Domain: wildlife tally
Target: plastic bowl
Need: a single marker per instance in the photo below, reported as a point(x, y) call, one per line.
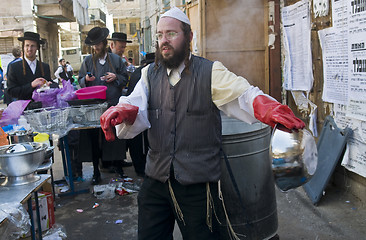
point(92, 92)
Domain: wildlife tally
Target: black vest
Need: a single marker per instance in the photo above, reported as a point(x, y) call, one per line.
point(185, 125)
point(66, 75)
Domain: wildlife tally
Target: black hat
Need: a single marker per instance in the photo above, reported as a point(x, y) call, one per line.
point(150, 57)
point(96, 35)
point(31, 36)
point(119, 36)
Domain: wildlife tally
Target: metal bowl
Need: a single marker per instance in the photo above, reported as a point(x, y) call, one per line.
point(21, 136)
point(22, 158)
point(294, 157)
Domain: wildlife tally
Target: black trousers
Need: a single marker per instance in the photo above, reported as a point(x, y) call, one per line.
point(138, 147)
point(157, 215)
point(76, 164)
point(94, 138)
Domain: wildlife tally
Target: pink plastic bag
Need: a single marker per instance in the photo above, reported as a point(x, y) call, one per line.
point(55, 97)
point(66, 93)
point(48, 97)
point(12, 113)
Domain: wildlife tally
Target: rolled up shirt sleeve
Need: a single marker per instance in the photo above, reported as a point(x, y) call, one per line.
point(58, 71)
point(138, 97)
point(233, 94)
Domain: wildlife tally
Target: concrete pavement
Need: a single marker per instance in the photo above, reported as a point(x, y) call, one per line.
point(338, 215)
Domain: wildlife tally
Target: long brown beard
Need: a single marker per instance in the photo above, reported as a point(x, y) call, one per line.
point(99, 55)
point(179, 55)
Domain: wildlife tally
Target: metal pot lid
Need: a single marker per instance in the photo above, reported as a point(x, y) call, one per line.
point(21, 133)
point(20, 148)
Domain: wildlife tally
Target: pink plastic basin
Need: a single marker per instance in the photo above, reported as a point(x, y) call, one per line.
point(92, 92)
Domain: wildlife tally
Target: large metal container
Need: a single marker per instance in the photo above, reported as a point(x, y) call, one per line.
point(19, 166)
point(15, 164)
point(247, 150)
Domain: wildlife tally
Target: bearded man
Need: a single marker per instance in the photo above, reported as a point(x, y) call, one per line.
point(108, 69)
point(180, 97)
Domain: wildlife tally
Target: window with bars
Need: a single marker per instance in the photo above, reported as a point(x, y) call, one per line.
point(132, 28)
point(122, 27)
point(6, 45)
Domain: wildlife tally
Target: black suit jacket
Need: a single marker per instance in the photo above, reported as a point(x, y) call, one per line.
point(19, 85)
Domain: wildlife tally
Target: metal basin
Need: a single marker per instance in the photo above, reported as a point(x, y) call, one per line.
point(22, 158)
point(294, 157)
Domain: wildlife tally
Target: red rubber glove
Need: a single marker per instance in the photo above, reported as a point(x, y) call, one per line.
point(116, 115)
point(272, 112)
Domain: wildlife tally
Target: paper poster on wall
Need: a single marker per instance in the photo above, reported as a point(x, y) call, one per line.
point(298, 73)
point(304, 105)
point(339, 13)
point(320, 8)
point(334, 46)
point(355, 157)
point(356, 107)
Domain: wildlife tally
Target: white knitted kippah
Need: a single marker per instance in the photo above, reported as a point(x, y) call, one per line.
point(178, 14)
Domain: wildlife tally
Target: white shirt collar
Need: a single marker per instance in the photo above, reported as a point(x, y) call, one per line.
point(102, 60)
point(32, 64)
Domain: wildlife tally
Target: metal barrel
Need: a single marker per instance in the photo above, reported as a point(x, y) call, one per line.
point(247, 149)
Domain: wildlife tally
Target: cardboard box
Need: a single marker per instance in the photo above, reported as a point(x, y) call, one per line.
point(46, 210)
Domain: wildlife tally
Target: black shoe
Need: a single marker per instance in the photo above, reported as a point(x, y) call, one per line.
point(120, 172)
point(126, 164)
point(140, 174)
point(96, 179)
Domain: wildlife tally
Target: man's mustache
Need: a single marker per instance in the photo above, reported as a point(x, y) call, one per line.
point(166, 45)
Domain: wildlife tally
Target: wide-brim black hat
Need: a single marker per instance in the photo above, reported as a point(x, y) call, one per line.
point(31, 36)
point(119, 36)
point(96, 35)
point(150, 57)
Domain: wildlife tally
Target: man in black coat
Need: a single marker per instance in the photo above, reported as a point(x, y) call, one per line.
point(27, 75)
point(102, 68)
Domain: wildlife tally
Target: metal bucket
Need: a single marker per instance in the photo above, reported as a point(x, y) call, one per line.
point(247, 149)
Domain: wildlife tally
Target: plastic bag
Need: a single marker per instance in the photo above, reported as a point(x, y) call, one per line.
point(18, 223)
point(104, 191)
point(57, 232)
point(48, 97)
point(66, 93)
point(12, 113)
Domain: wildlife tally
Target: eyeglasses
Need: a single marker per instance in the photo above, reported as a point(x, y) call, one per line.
point(169, 35)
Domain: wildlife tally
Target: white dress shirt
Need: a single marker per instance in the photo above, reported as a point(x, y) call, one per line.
point(232, 94)
point(32, 64)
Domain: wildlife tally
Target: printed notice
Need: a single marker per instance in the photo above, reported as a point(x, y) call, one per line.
point(339, 13)
point(335, 65)
point(298, 73)
point(356, 107)
point(355, 157)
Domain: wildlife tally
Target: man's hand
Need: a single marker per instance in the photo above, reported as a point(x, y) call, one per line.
point(116, 115)
point(110, 77)
point(89, 79)
point(272, 112)
point(38, 82)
